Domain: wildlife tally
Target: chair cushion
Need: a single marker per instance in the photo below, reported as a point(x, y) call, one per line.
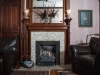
point(86, 60)
point(92, 44)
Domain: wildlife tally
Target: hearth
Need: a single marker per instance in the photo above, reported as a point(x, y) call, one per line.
point(47, 53)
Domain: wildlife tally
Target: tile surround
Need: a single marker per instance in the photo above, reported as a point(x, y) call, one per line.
point(47, 36)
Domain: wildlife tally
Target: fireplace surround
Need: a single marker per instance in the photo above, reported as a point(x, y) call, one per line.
point(47, 36)
point(47, 53)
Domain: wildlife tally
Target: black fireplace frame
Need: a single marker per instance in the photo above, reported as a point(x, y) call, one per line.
point(43, 43)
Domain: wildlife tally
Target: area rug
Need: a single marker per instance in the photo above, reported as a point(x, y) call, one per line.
point(28, 72)
point(68, 73)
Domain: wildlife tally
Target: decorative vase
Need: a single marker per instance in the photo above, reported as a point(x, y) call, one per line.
point(45, 20)
point(50, 20)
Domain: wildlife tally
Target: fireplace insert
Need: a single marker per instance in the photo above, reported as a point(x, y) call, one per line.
point(47, 53)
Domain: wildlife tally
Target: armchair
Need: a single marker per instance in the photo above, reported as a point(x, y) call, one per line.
point(85, 60)
point(8, 55)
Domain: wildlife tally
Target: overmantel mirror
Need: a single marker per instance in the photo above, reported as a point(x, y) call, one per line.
point(48, 11)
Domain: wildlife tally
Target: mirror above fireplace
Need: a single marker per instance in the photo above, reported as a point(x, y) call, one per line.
point(47, 11)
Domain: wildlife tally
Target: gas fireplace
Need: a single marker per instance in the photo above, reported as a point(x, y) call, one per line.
point(47, 53)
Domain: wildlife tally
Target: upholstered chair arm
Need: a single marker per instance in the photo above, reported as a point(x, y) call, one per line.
point(79, 50)
point(9, 59)
point(10, 50)
point(97, 63)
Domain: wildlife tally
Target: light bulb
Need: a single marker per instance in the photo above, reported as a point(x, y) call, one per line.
point(68, 11)
point(26, 12)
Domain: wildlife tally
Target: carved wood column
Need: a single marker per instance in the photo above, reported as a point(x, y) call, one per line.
point(99, 16)
point(67, 21)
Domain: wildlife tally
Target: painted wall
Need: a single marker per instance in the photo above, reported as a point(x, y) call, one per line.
point(78, 34)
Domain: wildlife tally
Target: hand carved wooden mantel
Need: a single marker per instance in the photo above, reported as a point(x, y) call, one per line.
point(49, 28)
point(53, 27)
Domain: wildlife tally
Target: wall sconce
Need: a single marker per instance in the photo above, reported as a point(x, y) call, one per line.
point(91, 35)
point(67, 15)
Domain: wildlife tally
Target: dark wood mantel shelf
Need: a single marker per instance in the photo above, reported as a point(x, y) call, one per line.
point(47, 27)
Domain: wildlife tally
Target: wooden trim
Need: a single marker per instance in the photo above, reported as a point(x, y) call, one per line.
point(99, 16)
point(53, 27)
point(50, 28)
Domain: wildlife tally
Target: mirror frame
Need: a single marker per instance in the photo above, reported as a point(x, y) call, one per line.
point(39, 12)
point(66, 6)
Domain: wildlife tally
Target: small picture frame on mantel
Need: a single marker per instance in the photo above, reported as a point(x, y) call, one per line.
point(85, 18)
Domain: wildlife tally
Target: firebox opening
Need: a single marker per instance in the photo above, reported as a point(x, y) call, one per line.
point(47, 53)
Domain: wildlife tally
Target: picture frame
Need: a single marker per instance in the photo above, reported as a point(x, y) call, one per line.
point(85, 18)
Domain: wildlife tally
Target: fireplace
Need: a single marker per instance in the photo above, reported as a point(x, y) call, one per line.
point(47, 36)
point(47, 53)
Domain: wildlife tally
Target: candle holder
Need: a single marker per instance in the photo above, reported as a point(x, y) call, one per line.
point(68, 18)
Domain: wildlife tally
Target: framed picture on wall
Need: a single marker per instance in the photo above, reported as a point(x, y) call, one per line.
point(85, 18)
